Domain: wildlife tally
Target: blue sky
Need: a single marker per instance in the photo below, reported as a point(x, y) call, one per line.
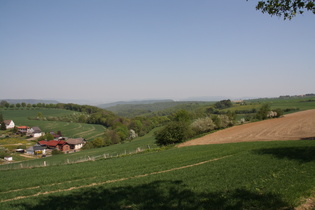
point(109, 50)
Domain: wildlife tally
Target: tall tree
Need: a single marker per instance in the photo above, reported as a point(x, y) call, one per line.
point(286, 8)
point(1, 117)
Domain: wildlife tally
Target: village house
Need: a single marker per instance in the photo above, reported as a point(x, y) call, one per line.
point(56, 136)
point(34, 132)
point(55, 144)
point(36, 149)
point(9, 124)
point(23, 129)
point(76, 144)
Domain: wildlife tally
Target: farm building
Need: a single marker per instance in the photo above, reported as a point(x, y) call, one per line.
point(34, 132)
point(76, 144)
point(9, 124)
point(23, 129)
point(36, 149)
point(55, 144)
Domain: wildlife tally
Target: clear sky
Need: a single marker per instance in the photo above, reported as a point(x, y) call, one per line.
point(109, 50)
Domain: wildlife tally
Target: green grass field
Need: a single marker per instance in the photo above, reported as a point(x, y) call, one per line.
point(69, 129)
point(302, 103)
point(253, 175)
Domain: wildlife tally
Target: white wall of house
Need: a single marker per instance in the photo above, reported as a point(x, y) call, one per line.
point(37, 134)
point(11, 125)
point(78, 146)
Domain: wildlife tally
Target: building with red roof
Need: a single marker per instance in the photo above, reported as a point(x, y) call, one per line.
point(55, 144)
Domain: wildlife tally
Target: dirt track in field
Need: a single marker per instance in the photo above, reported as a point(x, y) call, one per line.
point(296, 126)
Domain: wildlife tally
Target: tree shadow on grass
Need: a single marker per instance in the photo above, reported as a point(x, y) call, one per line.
point(301, 154)
point(157, 195)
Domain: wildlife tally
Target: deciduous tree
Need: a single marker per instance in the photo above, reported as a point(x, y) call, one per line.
point(286, 8)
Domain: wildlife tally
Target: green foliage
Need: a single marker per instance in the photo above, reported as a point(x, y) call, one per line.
point(123, 132)
point(174, 132)
point(222, 121)
point(203, 125)
point(88, 145)
point(223, 104)
point(47, 136)
point(4, 152)
point(286, 8)
point(181, 116)
point(15, 129)
point(1, 117)
point(112, 136)
point(56, 152)
point(262, 112)
point(2, 126)
point(98, 142)
point(279, 112)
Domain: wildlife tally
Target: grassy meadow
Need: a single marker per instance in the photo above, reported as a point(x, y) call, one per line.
point(69, 129)
point(252, 175)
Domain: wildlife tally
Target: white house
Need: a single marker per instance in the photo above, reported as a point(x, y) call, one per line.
point(34, 132)
point(76, 144)
point(9, 124)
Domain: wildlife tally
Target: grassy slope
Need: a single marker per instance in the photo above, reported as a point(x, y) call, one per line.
point(20, 117)
point(294, 102)
point(253, 175)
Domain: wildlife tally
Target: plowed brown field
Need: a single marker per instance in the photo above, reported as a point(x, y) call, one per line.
point(296, 126)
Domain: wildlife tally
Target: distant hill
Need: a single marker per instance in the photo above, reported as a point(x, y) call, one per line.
point(133, 103)
point(29, 101)
point(157, 108)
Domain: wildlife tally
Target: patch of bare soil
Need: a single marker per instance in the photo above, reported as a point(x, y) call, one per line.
point(28, 156)
point(309, 204)
point(295, 126)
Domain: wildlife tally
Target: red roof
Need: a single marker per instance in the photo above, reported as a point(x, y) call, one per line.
point(23, 127)
point(42, 142)
point(61, 142)
point(52, 143)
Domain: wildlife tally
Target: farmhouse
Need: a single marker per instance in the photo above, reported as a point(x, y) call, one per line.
point(76, 144)
point(9, 124)
point(55, 144)
point(34, 132)
point(23, 129)
point(36, 149)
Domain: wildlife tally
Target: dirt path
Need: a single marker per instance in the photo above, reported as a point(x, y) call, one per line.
point(299, 125)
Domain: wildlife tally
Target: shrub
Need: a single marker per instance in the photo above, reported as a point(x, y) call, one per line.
point(203, 125)
point(263, 112)
point(174, 132)
point(222, 121)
